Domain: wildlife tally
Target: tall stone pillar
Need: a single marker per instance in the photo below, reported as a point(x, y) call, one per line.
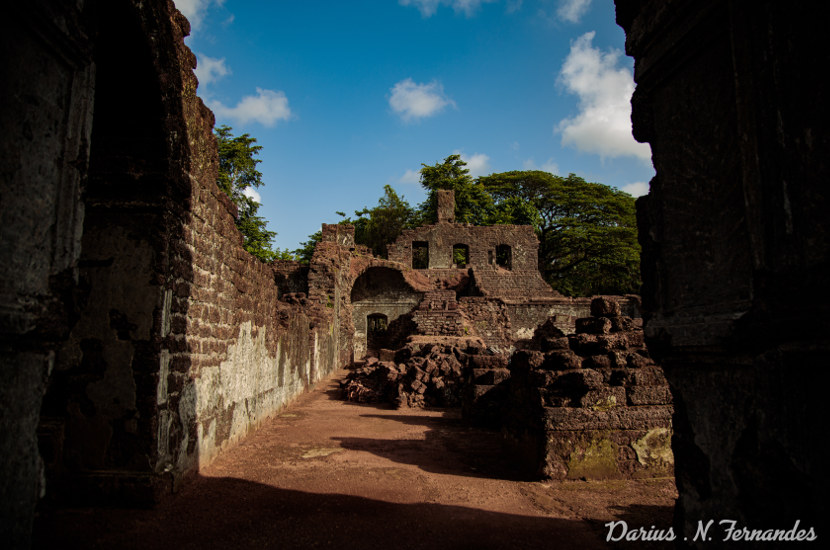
point(735, 237)
point(446, 206)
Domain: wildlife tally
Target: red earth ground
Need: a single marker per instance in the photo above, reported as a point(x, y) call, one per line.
point(325, 473)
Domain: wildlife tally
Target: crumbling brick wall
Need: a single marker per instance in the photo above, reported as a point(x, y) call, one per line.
point(166, 340)
point(438, 315)
point(588, 405)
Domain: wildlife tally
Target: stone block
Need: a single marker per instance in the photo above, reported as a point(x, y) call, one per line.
point(624, 324)
point(554, 343)
point(648, 395)
point(488, 361)
point(490, 376)
point(597, 362)
point(561, 360)
point(576, 382)
point(603, 398)
point(593, 325)
point(620, 418)
point(605, 307)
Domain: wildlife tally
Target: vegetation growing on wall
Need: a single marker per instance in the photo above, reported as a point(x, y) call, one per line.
point(237, 175)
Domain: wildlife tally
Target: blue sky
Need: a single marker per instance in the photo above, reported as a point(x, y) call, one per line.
point(348, 96)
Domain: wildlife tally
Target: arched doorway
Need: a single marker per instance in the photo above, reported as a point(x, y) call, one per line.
point(381, 301)
point(377, 325)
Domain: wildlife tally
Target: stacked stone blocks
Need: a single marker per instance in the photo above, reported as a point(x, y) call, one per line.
point(591, 404)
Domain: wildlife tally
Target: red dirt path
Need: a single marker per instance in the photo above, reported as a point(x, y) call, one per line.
point(330, 474)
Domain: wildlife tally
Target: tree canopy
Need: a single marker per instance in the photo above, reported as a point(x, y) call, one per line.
point(237, 173)
point(587, 231)
point(472, 203)
point(377, 227)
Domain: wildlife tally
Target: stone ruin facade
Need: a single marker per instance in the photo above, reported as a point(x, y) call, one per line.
point(457, 308)
point(138, 339)
point(587, 405)
point(458, 280)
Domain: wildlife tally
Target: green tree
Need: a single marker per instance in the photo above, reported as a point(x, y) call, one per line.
point(379, 226)
point(237, 172)
point(306, 250)
point(472, 202)
point(374, 227)
point(587, 231)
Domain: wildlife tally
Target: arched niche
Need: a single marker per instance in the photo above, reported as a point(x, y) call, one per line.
point(381, 291)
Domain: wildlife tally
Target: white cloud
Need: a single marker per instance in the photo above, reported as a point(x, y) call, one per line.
point(636, 189)
point(195, 10)
point(547, 166)
point(267, 107)
point(513, 6)
point(252, 193)
point(603, 125)
point(478, 164)
point(210, 69)
point(411, 176)
point(412, 101)
point(572, 10)
point(429, 7)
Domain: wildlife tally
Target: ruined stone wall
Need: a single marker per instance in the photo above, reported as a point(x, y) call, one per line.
point(237, 353)
point(290, 277)
point(735, 246)
point(45, 153)
point(490, 320)
point(379, 290)
point(505, 323)
point(438, 315)
point(527, 315)
point(588, 405)
point(481, 240)
point(127, 298)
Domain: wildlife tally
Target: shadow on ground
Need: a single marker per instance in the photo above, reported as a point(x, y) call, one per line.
point(448, 447)
point(226, 513)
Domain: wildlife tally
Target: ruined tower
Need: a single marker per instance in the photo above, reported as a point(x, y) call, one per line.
point(446, 206)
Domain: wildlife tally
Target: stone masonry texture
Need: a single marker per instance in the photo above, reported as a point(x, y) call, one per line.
point(138, 339)
point(735, 249)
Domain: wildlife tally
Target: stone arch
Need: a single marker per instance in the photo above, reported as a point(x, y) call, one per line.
point(380, 291)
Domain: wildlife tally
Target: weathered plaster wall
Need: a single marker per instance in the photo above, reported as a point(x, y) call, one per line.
point(46, 81)
point(237, 353)
point(156, 338)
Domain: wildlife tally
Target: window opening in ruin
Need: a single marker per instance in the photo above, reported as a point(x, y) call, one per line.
point(376, 325)
point(420, 255)
point(504, 256)
point(460, 255)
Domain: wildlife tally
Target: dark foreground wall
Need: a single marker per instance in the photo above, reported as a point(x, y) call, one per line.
point(138, 338)
point(735, 249)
